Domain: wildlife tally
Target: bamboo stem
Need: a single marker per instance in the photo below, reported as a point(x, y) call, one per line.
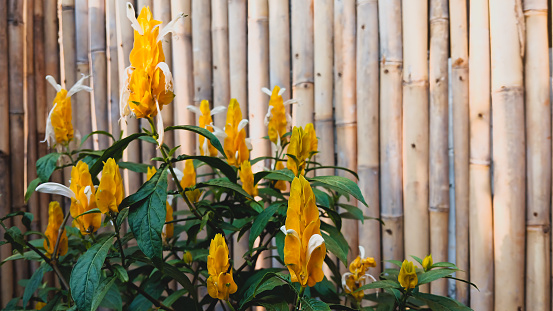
point(438, 154)
point(182, 76)
point(98, 60)
point(302, 61)
point(201, 44)
point(368, 164)
point(415, 128)
point(6, 271)
point(507, 39)
point(279, 42)
point(238, 52)
point(258, 77)
point(391, 194)
point(460, 103)
point(81, 103)
point(112, 69)
point(480, 192)
point(16, 82)
point(220, 45)
point(538, 161)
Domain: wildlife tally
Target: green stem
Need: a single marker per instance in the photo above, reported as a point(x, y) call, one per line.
point(298, 300)
point(114, 219)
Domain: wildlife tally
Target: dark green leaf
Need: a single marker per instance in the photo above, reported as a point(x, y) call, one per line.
point(92, 211)
point(94, 133)
point(124, 213)
point(135, 167)
point(27, 219)
point(395, 262)
point(429, 276)
point(46, 165)
point(207, 134)
point(34, 282)
point(333, 167)
point(217, 163)
point(101, 292)
point(333, 246)
point(440, 303)
point(145, 190)
point(342, 184)
point(147, 217)
point(85, 276)
point(121, 273)
point(386, 284)
point(310, 304)
point(115, 151)
point(461, 280)
point(284, 174)
point(15, 238)
point(112, 300)
point(224, 184)
point(444, 265)
point(269, 281)
point(261, 221)
point(178, 275)
point(355, 211)
point(170, 300)
point(31, 188)
point(417, 259)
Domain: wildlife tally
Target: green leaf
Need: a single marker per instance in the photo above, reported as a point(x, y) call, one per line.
point(333, 246)
point(31, 188)
point(112, 300)
point(124, 213)
point(46, 165)
point(217, 163)
point(170, 300)
point(461, 280)
point(178, 275)
point(342, 184)
point(355, 211)
point(15, 238)
point(395, 262)
point(310, 304)
point(207, 134)
point(147, 217)
point(121, 273)
point(135, 167)
point(333, 167)
point(34, 282)
point(429, 276)
point(261, 222)
point(269, 281)
point(385, 284)
point(224, 184)
point(284, 174)
point(417, 259)
point(92, 211)
point(101, 291)
point(444, 265)
point(94, 133)
point(440, 303)
point(145, 190)
point(85, 276)
point(115, 152)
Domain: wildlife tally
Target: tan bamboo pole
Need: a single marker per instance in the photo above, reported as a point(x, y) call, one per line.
point(538, 159)
point(220, 45)
point(345, 105)
point(98, 67)
point(125, 43)
point(182, 75)
point(16, 35)
point(279, 42)
point(323, 60)
point(480, 192)
point(238, 52)
point(162, 12)
point(438, 154)
point(82, 107)
point(368, 163)
point(459, 85)
point(258, 77)
point(391, 194)
point(143, 3)
point(507, 48)
point(201, 45)
point(148, 149)
point(112, 69)
point(415, 127)
point(6, 271)
point(302, 61)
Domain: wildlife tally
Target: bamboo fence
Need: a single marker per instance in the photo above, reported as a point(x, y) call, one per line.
point(371, 75)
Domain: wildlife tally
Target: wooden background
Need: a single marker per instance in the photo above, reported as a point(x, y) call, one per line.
point(388, 84)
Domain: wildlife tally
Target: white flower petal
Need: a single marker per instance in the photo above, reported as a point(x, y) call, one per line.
point(55, 188)
point(194, 109)
point(169, 27)
point(248, 143)
point(288, 118)
point(266, 91)
point(168, 76)
point(242, 124)
point(289, 231)
point(79, 86)
point(131, 15)
point(315, 241)
point(291, 101)
point(53, 82)
point(268, 116)
point(88, 193)
point(50, 136)
point(124, 109)
point(219, 133)
point(361, 252)
point(205, 147)
point(179, 174)
point(344, 284)
point(170, 199)
point(218, 109)
point(160, 127)
point(282, 90)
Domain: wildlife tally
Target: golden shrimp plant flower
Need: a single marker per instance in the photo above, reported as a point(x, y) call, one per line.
point(246, 176)
point(110, 193)
point(357, 275)
point(167, 231)
point(277, 119)
point(280, 184)
point(55, 220)
point(407, 275)
point(304, 247)
point(206, 121)
point(303, 145)
point(220, 283)
point(149, 84)
point(83, 198)
point(59, 127)
point(427, 263)
point(236, 145)
point(188, 180)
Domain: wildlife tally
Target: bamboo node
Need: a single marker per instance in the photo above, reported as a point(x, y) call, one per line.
point(439, 209)
point(480, 162)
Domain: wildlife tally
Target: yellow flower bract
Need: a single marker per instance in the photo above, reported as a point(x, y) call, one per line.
point(220, 283)
point(235, 148)
point(205, 121)
point(61, 118)
point(303, 145)
point(110, 193)
point(82, 186)
point(407, 275)
point(357, 276)
point(55, 220)
point(246, 176)
point(277, 120)
point(189, 180)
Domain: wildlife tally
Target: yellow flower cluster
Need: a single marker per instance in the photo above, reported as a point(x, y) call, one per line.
point(55, 220)
point(110, 193)
point(408, 275)
point(220, 283)
point(276, 119)
point(357, 275)
point(84, 200)
point(236, 148)
point(189, 180)
point(304, 247)
point(246, 176)
point(303, 145)
point(427, 263)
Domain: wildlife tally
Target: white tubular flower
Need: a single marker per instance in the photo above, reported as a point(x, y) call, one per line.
point(170, 27)
point(131, 15)
point(55, 188)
